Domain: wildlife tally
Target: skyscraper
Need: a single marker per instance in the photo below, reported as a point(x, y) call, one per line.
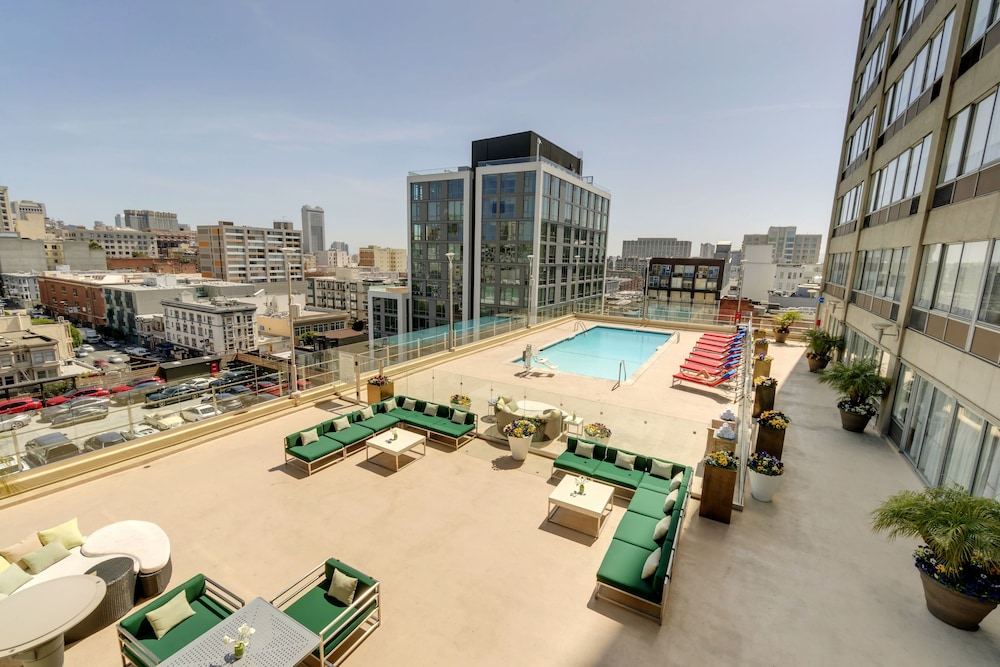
point(6, 218)
point(913, 259)
point(313, 229)
point(145, 220)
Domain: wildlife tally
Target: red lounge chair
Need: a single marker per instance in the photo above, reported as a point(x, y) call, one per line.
point(725, 351)
point(712, 382)
point(723, 337)
point(713, 360)
point(695, 366)
point(713, 343)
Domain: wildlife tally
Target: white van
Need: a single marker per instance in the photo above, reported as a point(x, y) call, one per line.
point(90, 336)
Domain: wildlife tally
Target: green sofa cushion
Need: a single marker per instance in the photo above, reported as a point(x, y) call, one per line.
point(609, 472)
point(622, 568)
point(648, 502)
point(654, 483)
point(637, 529)
point(352, 434)
point(317, 450)
point(578, 464)
point(380, 422)
point(448, 427)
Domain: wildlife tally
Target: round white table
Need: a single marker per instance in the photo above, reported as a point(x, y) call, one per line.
point(33, 621)
point(527, 408)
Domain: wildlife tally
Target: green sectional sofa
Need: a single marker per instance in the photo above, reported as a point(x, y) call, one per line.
point(211, 604)
point(341, 626)
point(651, 482)
point(333, 445)
point(447, 424)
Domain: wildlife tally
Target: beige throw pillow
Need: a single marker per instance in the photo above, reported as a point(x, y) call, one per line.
point(409, 404)
point(16, 551)
point(669, 502)
point(459, 417)
point(390, 405)
point(68, 533)
point(626, 461)
point(341, 423)
point(649, 567)
point(49, 555)
point(585, 449)
point(309, 437)
point(343, 587)
point(170, 615)
point(662, 527)
point(367, 413)
point(661, 469)
point(431, 410)
point(3, 564)
point(676, 480)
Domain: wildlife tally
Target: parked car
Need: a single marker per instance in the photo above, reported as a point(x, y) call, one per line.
point(49, 448)
point(101, 363)
point(17, 405)
point(198, 412)
point(117, 359)
point(80, 354)
point(225, 402)
point(77, 393)
point(138, 431)
point(173, 394)
point(50, 413)
point(200, 383)
point(259, 398)
point(102, 440)
point(80, 414)
point(87, 347)
point(164, 420)
point(239, 389)
point(266, 387)
point(11, 422)
point(136, 393)
point(9, 465)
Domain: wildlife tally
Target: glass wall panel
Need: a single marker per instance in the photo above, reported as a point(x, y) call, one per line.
point(970, 273)
point(989, 312)
point(988, 475)
point(964, 450)
point(935, 439)
point(949, 274)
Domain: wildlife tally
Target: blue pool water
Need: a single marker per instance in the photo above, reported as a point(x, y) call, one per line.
point(600, 350)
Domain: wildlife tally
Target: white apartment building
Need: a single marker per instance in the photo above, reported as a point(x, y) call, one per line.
point(249, 254)
point(335, 259)
point(116, 242)
point(209, 327)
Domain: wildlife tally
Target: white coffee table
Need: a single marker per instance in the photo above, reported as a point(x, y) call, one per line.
point(384, 443)
point(595, 503)
point(32, 622)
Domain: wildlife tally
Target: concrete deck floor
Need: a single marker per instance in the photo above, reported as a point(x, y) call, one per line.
point(473, 574)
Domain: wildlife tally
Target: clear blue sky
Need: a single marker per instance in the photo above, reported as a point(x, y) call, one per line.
point(705, 120)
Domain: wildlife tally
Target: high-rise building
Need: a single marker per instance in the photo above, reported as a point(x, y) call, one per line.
point(115, 242)
point(787, 246)
point(313, 229)
point(707, 250)
point(6, 217)
point(23, 208)
point(527, 231)
point(340, 245)
point(385, 259)
point(147, 220)
point(642, 248)
point(249, 254)
point(912, 271)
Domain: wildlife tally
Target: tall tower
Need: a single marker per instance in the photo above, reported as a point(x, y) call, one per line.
point(6, 219)
point(313, 229)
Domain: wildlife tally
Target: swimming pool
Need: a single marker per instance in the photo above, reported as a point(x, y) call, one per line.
point(599, 351)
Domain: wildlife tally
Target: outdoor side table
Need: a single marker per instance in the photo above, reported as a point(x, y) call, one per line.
point(119, 575)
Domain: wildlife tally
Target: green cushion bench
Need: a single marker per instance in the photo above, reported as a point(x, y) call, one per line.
point(601, 466)
point(333, 445)
point(342, 627)
point(211, 604)
point(438, 427)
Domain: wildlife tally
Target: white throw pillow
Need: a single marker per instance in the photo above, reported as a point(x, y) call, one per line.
point(459, 417)
point(409, 404)
point(367, 413)
point(309, 437)
point(675, 482)
point(341, 423)
point(671, 500)
point(431, 410)
point(390, 405)
point(626, 461)
point(585, 449)
point(649, 567)
point(661, 469)
point(662, 527)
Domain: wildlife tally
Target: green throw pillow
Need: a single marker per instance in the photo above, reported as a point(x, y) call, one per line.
point(13, 578)
point(68, 533)
point(341, 423)
point(626, 461)
point(649, 567)
point(459, 417)
point(49, 555)
point(343, 587)
point(585, 449)
point(309, 437)
point(170, 615)
point(431, 410)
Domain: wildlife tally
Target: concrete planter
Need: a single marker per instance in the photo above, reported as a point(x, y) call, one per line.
point(956, 609)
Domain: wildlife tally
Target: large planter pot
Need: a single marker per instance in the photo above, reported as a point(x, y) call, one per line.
point(780, 337)
point(816, 365)
point(464, 407)
point(717, 491)
point(853, 422)
point(956, 609)
point(599, 439)
point(761, 368)
point(771, 440)
point(763, 487)
point(760, 346)
point(519, 447)
point(763, 399)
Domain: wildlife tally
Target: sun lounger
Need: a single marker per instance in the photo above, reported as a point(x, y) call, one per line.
point(694, 367)
point(708, 382)
point(715, 357)
point(717, 344)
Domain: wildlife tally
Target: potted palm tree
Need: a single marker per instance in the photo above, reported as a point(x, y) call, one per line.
point(784, 323)
point(960, 561)
point(861, 387)
point(822, 345)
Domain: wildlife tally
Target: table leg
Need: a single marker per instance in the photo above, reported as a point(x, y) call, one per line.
point(47, 654)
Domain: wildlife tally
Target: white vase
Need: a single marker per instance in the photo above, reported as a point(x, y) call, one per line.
point(763, 487)
point(599, 439)
point(519, 447)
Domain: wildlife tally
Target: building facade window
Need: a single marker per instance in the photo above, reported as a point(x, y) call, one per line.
point(973, 139)
point(902, 178)
point(871, 72)
point(921, 73)
point(983, 15)
point(849, 206)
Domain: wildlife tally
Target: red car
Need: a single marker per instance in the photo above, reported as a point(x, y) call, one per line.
point(142, 381)
point(266, 387)
point(16, 405)
point(77, 393)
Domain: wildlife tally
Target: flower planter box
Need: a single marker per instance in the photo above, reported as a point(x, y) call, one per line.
point(956, 609)
point(770, 440)
point(780, 337)
point(717, 489)
point(761, 368)
point(763, 487)
point(816, 365)
point(760, 346)
point(376, 394)
point(763, 399)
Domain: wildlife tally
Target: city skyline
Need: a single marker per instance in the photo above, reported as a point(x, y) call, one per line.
point(246, 112)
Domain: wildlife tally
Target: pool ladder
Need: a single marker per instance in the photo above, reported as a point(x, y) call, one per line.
point(580, 326)
point(621, 372)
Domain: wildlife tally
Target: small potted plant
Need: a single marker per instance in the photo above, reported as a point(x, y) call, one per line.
point(597, 432)
point(861, 387)
point(519, 434)
point(822, 346)
point(764, 389)
point(240, 641)
point(765, 471)
point(379, 388)
point(771, 427)
point(960, 562)
point(762, 364)
point(460, 400)
point(760, 346)
point(718, 486)
point(784, 323)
